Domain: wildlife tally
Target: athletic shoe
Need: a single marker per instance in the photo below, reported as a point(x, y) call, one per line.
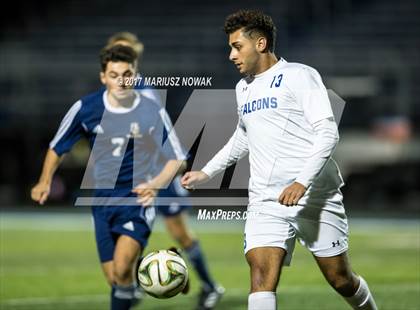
point(208, 299)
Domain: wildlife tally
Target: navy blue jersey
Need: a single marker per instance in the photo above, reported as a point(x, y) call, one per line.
point(125, 142)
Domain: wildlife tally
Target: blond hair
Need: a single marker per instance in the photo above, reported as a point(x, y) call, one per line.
point(126, 38)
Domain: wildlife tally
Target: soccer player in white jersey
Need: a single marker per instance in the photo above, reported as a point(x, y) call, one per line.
point(287, 126)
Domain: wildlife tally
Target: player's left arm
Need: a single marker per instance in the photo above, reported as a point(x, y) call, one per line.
point(324, 144)
point(313, 98)
point(172, 150)
point(147, 191)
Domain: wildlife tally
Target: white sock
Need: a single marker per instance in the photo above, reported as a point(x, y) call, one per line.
point(362, 299)
point(262, 301)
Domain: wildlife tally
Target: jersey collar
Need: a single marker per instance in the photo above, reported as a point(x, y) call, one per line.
point(273, 68)
point(120, 110)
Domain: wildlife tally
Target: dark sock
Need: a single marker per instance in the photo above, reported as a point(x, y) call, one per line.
point(196, 257)
point(121, 297)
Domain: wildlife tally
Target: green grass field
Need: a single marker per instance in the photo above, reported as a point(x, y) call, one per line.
point(51, 263)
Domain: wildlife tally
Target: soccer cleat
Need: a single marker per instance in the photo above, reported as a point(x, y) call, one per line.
point(209, 299)
point(187, 286)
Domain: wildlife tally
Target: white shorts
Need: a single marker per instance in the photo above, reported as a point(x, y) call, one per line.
point(321, 226)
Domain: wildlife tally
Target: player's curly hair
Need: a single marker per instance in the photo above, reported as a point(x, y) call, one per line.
point(252, 21)
point(117, 53)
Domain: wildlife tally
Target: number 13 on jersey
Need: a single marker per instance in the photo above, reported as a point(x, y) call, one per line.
point(276, 80)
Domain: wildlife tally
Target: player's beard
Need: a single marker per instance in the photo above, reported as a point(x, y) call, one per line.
point(248, 67)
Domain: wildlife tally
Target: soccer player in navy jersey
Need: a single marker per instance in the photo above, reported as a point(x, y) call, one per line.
point(125, 130)
point(175, 213)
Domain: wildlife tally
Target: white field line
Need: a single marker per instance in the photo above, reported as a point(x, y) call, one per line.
point(10, 221)
point(53, 300)
point(229, 292)
point(83, 222)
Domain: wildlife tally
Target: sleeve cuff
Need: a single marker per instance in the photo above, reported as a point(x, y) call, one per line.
point(208, 171)
point(304, 181)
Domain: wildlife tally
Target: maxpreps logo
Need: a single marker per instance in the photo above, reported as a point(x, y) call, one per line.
point(220, 214)
point(259, 104)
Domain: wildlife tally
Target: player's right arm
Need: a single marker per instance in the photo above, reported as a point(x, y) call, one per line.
point(41, 190)
point(69, 132)
point(193, 178)
point(234, 149)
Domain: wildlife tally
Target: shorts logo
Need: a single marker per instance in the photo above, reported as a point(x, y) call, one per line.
point(129, 226)
point(337, 243)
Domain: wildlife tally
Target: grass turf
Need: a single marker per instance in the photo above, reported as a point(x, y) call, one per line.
point(59, 269)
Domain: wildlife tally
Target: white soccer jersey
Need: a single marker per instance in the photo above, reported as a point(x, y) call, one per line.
point(279, 113)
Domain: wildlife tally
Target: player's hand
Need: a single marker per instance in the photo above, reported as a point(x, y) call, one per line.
point(291, 194)
point(146, 194)
point(40, 192)
point(193, 178)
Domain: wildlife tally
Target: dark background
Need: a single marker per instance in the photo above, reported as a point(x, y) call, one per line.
point(368, 52)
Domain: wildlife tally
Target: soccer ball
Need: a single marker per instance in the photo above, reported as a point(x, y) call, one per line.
point(163, 274)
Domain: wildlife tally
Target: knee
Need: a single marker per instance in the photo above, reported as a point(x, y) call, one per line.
point(258, 275)
point(185, 241)
point(261, 278)
point(265, 264)
point(122, 274)
point(183, 238)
